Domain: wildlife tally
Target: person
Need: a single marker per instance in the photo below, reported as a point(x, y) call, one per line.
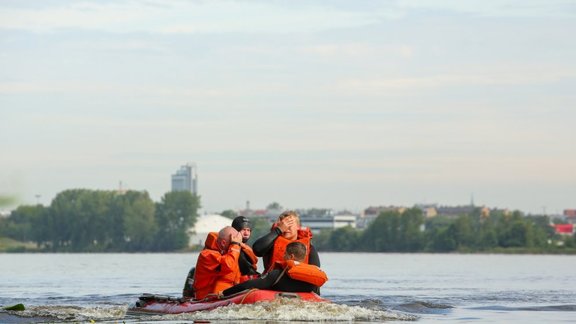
point(248, 262)
point(286, 229)
point(291, 275)
point(217, 265)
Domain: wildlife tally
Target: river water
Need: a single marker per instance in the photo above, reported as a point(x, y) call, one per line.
point(366, 288)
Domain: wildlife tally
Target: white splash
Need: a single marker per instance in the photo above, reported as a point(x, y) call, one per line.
point(293, 310)
point(74, 313)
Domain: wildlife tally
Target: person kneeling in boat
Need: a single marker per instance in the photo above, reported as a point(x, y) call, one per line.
point(217, 266)
point(290, 275)
point(248, 262)
point(287, 229)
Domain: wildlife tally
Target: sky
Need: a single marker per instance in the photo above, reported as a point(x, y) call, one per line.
point(311, 104)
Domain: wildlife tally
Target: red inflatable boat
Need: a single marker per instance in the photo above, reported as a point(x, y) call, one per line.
point(148, 303)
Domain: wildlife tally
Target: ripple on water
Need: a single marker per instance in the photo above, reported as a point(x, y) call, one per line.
point(69, 313)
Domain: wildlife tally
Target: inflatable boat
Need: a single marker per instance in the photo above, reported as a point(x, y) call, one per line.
point(149, 303)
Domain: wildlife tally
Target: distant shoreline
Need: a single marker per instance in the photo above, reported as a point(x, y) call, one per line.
point(516, 251)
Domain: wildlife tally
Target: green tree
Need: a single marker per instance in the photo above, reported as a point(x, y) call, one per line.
point(322, 240)
point(440, 240)
point(175, 214)
point(7, 200)
point(344, 239)
point(139, 226)
point(21, 225)
point(229, 213)
point(411, 230)
point(437, 236)
point(64, 212)
point(393, 231)
point(81, 220)
point(462, 231)
point(487, 236)
point(260, 227)
point(274, 206)
point(382, 234)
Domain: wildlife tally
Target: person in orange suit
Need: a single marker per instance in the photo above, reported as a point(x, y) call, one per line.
point(217, 265)
point(287, 229)
point(290, 275)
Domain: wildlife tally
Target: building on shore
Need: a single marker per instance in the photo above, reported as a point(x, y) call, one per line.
point(372, 212)
point(570, 215)
point(186, 179)
point(319, 219)
point(204, 225)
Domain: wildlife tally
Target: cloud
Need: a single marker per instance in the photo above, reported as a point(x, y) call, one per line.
point(359, 50)
point(490, 76)
point(487, 75)
point(184, 17)
point(496, 8)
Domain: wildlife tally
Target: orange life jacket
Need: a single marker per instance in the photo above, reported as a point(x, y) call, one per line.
point(304, 236)
point(215, 271)
point(305, 272)
point(252, 258)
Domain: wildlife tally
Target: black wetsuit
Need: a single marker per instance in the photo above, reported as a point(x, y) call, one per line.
point(263, 247)
point(246, 265)
point(270, 281)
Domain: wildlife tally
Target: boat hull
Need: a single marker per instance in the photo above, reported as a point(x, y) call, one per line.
point(148, 303)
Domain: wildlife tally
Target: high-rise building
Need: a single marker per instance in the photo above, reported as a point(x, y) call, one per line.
point(186, 179)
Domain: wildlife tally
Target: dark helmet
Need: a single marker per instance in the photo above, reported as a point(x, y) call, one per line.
point(240, 222)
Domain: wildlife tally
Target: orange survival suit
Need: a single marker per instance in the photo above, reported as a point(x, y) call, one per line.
point(249, 261)
point(279, 249)
point(288, 276)
point(215, 271)
point(304, 272)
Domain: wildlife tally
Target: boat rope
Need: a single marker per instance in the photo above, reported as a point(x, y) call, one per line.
point(248, 293)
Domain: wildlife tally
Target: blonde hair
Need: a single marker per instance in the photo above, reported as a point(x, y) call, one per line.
point(289, 213)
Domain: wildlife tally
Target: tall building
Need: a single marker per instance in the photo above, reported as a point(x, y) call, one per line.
point(186, 179)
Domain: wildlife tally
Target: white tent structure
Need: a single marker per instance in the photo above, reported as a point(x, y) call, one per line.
point(204, 225)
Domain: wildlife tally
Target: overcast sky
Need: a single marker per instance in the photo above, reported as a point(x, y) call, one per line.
point(327, 104)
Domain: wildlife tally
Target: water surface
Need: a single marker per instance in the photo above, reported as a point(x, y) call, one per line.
point(364, 287)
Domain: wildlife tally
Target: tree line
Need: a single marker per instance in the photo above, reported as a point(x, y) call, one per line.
point(410, 231)
point(81, 220)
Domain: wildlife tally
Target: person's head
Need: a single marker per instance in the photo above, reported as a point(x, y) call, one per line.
point(242, 225)
point(225, 237)
point(295, 251)
point(291, 232)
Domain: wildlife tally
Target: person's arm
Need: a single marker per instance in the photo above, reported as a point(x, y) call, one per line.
point(246, 266)
point(265, 282)
point(229, 261)
point(313, 257)
point(263, 245)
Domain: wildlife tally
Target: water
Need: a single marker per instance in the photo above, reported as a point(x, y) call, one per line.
point(368, 288)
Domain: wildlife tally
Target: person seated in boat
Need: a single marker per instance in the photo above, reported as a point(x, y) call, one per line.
point(217, 265)
point(285, 230)
point(248, 262)
point(290, 275)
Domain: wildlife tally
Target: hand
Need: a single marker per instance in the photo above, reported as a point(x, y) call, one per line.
point(237, 237)
point(285, 223)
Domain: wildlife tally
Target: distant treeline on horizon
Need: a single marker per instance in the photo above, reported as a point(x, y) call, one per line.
point(82, 220)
